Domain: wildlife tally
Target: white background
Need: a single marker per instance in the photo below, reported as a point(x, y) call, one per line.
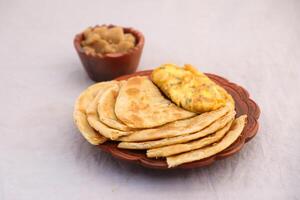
point(43, 156)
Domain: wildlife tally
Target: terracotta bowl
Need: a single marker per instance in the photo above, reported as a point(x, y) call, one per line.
point(109, 66)
point(244, 105)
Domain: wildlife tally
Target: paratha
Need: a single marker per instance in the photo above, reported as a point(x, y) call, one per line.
point(215, 126)
point(180, 148)
point(140, 104)
point(229, 138)
point(106, 109)
point(79, 114)
point(94, 121)
point(180, 127)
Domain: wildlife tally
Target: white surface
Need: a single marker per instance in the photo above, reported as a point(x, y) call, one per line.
point(42, 155)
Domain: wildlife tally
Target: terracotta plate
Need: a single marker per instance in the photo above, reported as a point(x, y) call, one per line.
point(244, 105)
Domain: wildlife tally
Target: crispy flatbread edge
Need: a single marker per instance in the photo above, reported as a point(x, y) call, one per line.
point(215, 126)
point(94, 121)
point(106, 119)
point(152, 134)
point(185, 147)
point(233, 134)
point(80, 120)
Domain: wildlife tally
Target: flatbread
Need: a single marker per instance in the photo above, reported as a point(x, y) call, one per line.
point(215, 126)
point(106, 109)
point(181, 127)
point(79, 114)
point(230, 137)
point(197, 144)
point(140, 104)
point(94, 121)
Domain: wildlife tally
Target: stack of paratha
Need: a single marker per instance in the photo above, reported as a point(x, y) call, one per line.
point(136, 113)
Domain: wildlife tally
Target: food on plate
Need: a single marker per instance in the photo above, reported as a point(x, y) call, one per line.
point(106, 109)
point(189, 88)
point(177, 128)
point(215, 126)
point(79, 115)
point(94, 121)
point(180, 148)
point(138, 116)
point(233, 134)
point(104, 40)
point(140, 104)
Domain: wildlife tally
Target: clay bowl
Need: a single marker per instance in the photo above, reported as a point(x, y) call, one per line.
point(244, 105)
point(109, 66)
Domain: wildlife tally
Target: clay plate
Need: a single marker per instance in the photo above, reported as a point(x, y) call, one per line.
point(244, 105)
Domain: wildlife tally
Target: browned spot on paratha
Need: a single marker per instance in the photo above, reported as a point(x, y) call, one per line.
point(134, 107)
point(137, 119)
point(132, 91)
point(115, 93)
point(134, 81)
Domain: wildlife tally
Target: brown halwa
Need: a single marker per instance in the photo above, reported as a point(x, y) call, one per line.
point(103, 40)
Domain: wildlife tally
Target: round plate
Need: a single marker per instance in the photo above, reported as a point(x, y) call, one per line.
point(243, 105)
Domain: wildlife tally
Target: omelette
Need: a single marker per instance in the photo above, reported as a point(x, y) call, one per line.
point(189, 88)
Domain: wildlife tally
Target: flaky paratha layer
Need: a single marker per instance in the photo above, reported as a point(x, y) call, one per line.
point(140, 104)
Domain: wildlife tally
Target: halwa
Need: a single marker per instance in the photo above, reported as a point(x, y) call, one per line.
point(104, 40)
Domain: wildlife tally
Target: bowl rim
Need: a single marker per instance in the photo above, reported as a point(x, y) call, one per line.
point(137, 34)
